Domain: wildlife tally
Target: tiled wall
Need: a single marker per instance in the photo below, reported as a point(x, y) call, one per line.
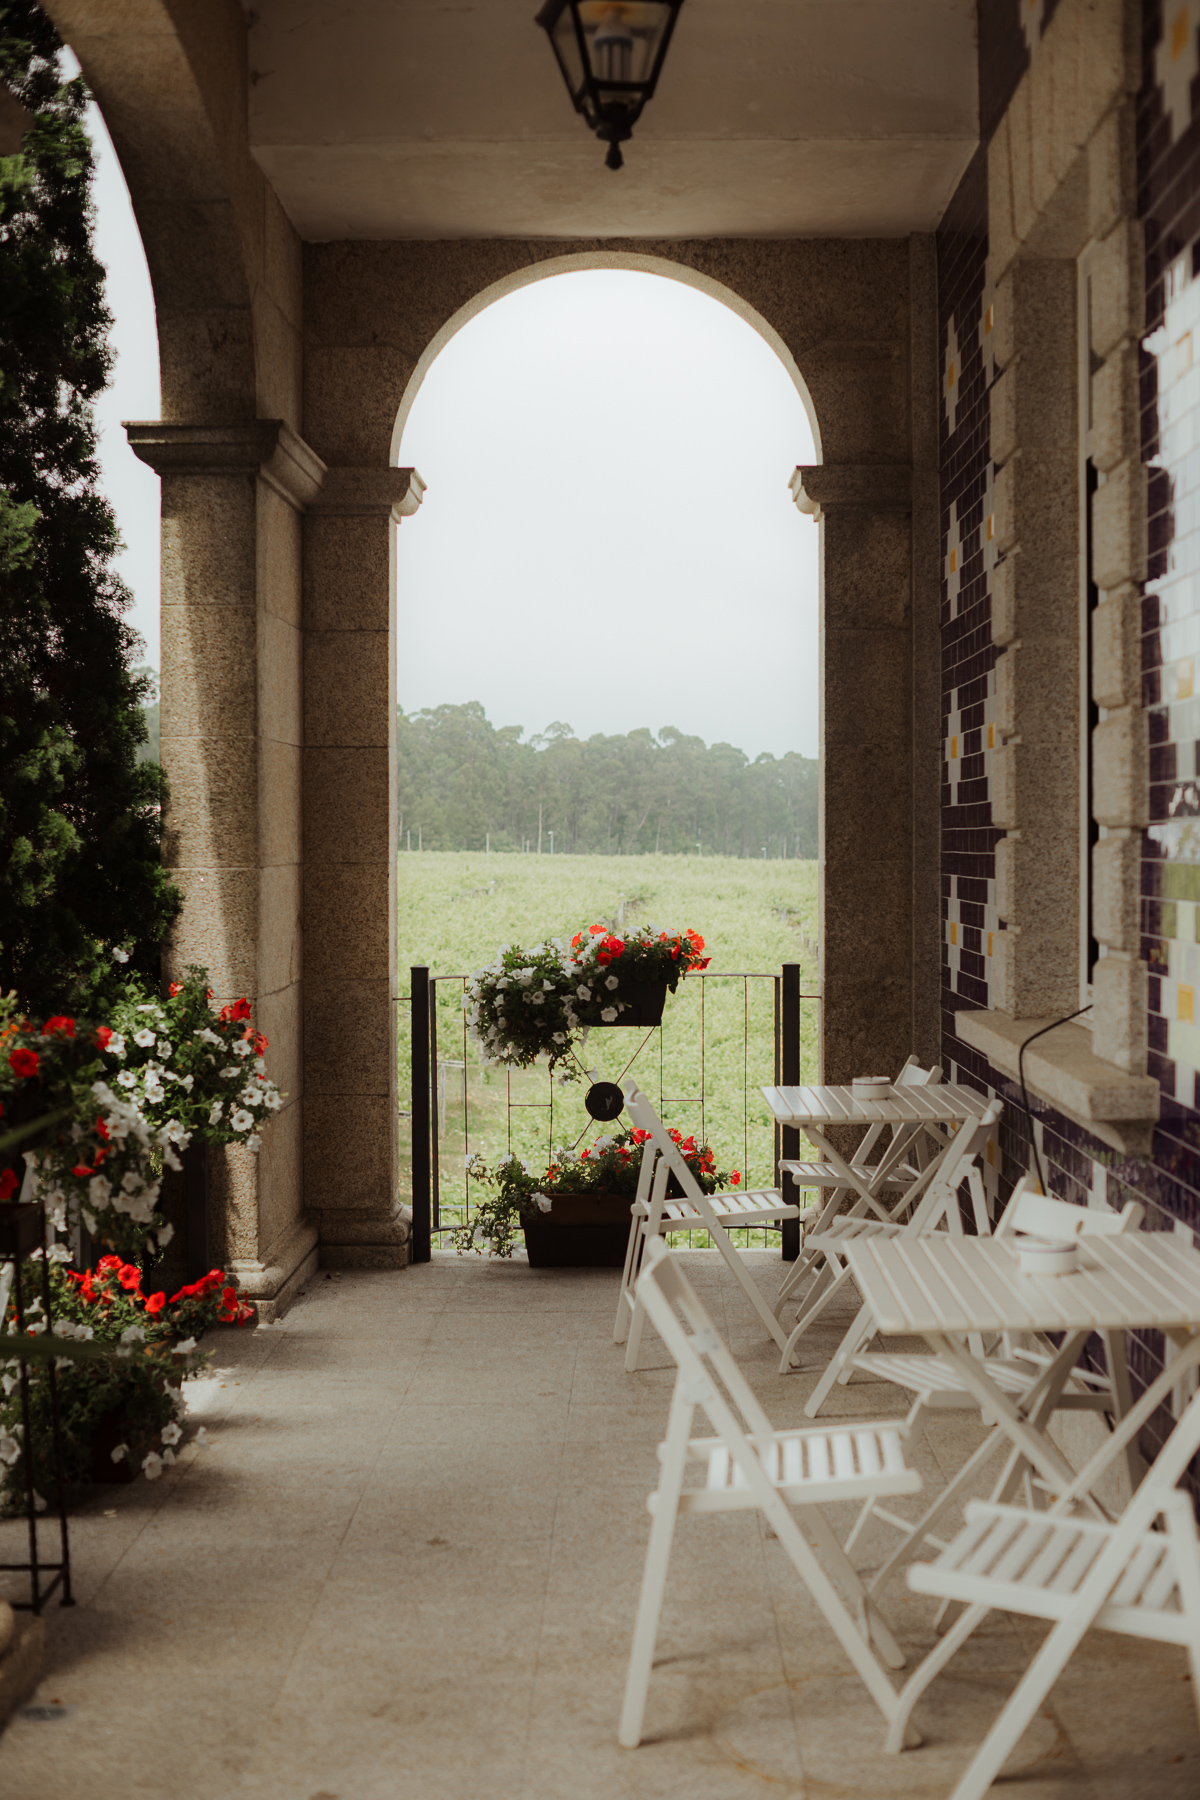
point(1079, 1167)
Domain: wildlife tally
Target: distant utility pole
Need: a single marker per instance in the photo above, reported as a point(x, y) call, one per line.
point(697, 849)
point(408, 835)
point(539, 828)
point(418, 837)
point(764, 852)
point(550, 835)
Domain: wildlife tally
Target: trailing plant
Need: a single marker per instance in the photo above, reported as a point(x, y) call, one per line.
point(103, 1108)
point(611, 1165)
point(80, 819)
point(541, 1002)
point(131, 1396)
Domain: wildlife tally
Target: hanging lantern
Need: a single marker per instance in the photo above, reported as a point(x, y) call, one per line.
point(611, 53)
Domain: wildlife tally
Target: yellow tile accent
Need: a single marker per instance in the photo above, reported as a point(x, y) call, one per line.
point(991, 1151)
point(989, 530)
point(1186, 678)
point(989, 319)
point(952, 375)
point(1179, 33)
point(954, 561)
point(953, 749)
point(989, 943)
point(991, 737)
point(1185, 1005)
point(953, 933)
point(1183, 354)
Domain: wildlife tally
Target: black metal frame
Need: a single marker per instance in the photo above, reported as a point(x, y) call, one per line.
point(612, 123)
point(422, 1001)
point(22, 1231)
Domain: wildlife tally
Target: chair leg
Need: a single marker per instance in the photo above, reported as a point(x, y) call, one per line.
point(907, 1551)
point(874, 1626)
point(806, 1319)
point(634, 1345)
point(633, 1260)
point(862, 1328)
point(1022, 1704)
point(921, 1676)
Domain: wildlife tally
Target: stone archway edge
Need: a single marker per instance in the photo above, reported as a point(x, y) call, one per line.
point(266, 447)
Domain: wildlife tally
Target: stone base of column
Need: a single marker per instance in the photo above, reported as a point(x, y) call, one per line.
point(366, 1239)
point(272, 1282)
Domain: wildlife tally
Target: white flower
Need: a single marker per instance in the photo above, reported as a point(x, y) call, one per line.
point(230, 1072)
point(547, 987)
point(251, 1095)
point(116, 1044)
point(272, 1099)
point(537, 999)
point(242, 1120)
point(184, 1346)
point(99, 1190)
point(133, 1334)
point(144, 1037)
point(610, 982)
point(242, 1048)
point(120, 1453)
point(152, 1466)
point(210, 1037)
point(215, 1113)
point(608, 1014)
point(121, 956)
point(544, 1202)
point(10, 1449)
point(583, 993)
point(254, 1142)
point(560, 1037)
point(127, 1078)
point(171, 1434)
point(202, 1437)
point(89, 1219)
point(168, 1456)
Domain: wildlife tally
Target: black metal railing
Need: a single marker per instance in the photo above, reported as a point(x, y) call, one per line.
point(715, 1049)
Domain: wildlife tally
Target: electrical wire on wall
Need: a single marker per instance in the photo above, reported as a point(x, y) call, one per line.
point(1032, 1039)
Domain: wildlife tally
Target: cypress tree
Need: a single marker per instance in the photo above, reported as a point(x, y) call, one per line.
point(80, 869)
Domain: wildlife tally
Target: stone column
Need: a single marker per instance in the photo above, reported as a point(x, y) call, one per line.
point(232, 495)
point(350, 1174)
point(866, 813)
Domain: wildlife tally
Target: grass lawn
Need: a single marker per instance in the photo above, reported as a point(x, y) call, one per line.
point(715, 1049)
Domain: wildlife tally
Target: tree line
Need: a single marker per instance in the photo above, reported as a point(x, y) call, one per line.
point(464, 784)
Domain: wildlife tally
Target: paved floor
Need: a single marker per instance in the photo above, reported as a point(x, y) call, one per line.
point(406, 1569)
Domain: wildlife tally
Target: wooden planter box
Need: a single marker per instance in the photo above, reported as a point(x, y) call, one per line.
point(644, 1005)
point(581, 1231)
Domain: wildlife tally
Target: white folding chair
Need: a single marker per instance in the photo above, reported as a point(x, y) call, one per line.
point(654, 1213)
point(750, 1466)
point(1122, 1576)
point(938, 1209)
point(901, 1162)
point(1023, 1373)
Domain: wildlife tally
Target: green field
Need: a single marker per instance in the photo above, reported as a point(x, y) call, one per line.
point(715, 1049)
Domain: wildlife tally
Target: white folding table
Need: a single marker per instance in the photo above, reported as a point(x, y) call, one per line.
point(943, 1287)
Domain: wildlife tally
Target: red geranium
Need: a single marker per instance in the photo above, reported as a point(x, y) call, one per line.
point(23, 1063)
point(59, 1026)
point(107, 1264)
point(174, 989)
point(736, 1178)
point(8, 1184)
point(128, 1277)
point(240, 1009)
point(155, 1304)
point(103, 1035)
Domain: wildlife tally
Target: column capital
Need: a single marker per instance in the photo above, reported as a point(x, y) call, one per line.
point(877, 487)
point(370, 493)
point(265, 447)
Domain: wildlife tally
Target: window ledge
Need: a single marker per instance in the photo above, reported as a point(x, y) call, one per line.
point(1061, 1068)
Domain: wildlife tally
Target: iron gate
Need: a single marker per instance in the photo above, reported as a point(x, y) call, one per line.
point(725, 1035)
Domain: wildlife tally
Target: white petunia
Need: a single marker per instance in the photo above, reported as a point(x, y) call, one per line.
point(583, 993)
point(133, 1334)
point(537, 999)
point(115, 1045)
point(202, 1437)
point(254, 1142)
point(242, 1120)
point(152, 1466)
point(610, 982)
point(171, 1433)
point(184, 1346)
point(215, 1112)
point(230, 1072)
point(608, 1014)
point(165, 1234)
point(127, 1078)
point(144, 1037)
point(99, 1190)
point(120, 1453)
point(242, 1048)
point(209, 1037)
point(121, 956)
point(544, 1202)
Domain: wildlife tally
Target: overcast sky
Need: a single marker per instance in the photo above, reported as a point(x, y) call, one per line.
point(608, 538)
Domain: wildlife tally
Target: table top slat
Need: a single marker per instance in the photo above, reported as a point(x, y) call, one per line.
point(941, 1104)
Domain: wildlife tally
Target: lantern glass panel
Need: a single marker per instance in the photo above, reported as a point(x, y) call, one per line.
point(565, 39)
point(623, 39)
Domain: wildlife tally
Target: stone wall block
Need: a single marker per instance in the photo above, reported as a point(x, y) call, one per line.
point(280, 809)
point(869, 932)
point(1121, 769)
point(867, 568)
point(1004, 327)
point(1035, 882)
point(1007, 878)
point(344, 904)
point(364, 1176)
point(209, 684)
point(1031, 979)
point(1004, 599)
point(280, 1177)
point(1113, 436)
point(1041, 697)
point(1020, 157)
point(1006, 692)
point(195, 384)
point(351, 395)
point(277, 556)
point(212, 814)
point(1006, 508)
point(278, 363)
point(217, 927)
point(348, 1043)
point(346, 687)
point(1116, 867)
point(1119, 527)
point(1044, 93)
point(871, 821)
point(1003, 403)
point(346, 573)
point(209, 525)
point(1112, 171)
point(280, 680)
point(278, 1016)
point(1110, 65)
point(283, 262)
point(346, 806)
point(867, 678)
point(1118, 309)
point(1004, 787)
point(1120, 1001)
point(279, 927)
point(1117, 649)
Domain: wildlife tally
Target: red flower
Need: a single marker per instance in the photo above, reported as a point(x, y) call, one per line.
point(155, 1304)
point(107, 1265)
point(229, 1296)
point(174, 988)
point(577, 940)
point(641, 1137)
point(8, 1184)
point(736, 1178)
point(255, 1039)
point(674, 1135)
point(23, 1063)
point(59, 1026)
point(239, 1010)
point(128, 1276)
point(596, 930)
point(694, 939)
point(103, 1034)
point(101, 1129)
point(82, 1170)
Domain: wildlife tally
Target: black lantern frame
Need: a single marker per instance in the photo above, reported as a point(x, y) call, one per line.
point(604, 88)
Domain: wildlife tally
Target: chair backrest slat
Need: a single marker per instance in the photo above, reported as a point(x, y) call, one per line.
point(1042, 1215)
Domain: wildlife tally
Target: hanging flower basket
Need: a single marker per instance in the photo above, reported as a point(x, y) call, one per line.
point(540, 1002)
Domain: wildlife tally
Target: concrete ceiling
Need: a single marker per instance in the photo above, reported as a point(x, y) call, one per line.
point(448, 119)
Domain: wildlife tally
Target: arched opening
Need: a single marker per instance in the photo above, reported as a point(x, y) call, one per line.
point(609, 564)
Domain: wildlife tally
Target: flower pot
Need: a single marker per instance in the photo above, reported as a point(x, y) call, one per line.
point(644, 1002)
point(581, 1231)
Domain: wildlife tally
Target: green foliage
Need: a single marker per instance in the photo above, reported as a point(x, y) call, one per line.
point(79, 817)
point(462, 780)
point(151, 713)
